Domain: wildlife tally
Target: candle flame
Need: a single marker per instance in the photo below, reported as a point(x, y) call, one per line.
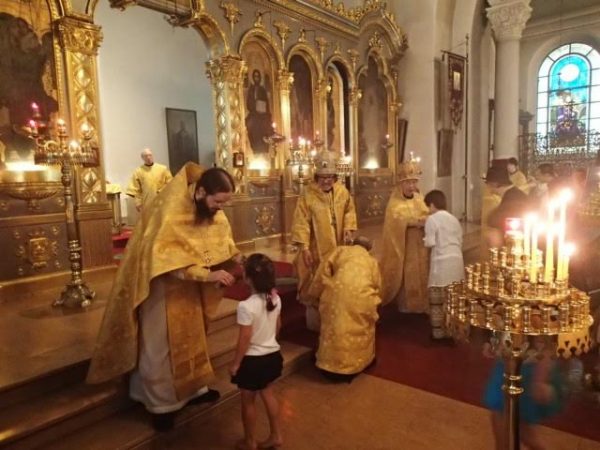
point(569, 248)
point(258, 164)
point(566, 195)
point(514, 224)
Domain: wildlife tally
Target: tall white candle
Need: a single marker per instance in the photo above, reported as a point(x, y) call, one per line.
point(561, 270)
point(550, 231)
point(537, 230)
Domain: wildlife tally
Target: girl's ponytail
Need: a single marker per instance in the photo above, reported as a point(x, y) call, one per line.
point(261, 272)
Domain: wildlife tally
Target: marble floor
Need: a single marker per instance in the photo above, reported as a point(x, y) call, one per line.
point(369, 414)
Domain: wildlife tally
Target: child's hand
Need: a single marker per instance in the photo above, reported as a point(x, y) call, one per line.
point(233, 369)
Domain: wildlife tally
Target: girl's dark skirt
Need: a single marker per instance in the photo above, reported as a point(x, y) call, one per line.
point(257, 372)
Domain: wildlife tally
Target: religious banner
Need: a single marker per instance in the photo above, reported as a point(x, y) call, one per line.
point(456, 86)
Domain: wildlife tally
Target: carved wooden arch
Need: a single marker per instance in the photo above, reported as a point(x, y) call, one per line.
point(395, 40)
point(346, 65)
point(310, 55)
point(266, 40)
point(383, 70)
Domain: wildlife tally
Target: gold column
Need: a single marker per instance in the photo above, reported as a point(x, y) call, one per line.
point(285, 79)
point(321, 119)
point(354, 96)
point(80, 41)
point(226, 75)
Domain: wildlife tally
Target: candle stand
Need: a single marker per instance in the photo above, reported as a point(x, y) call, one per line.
point(59, 151)
point(499, 296)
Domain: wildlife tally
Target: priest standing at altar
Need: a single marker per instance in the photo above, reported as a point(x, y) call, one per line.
point(154, 322)
point(324, 218)
point(147, 180)
point(405, 261)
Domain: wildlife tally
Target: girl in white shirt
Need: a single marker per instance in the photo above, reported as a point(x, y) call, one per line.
point(444, 235)
point(258, 361)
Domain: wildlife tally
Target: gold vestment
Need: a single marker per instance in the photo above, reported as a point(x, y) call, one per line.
point(519, 180)
point(405, 260)
point(147, 181)
point(167, 241)
point(489, 203)
point(320, 221)
point(348, 286)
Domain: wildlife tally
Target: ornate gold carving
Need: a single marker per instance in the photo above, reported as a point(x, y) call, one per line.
point(354, 95)
point(322, 45)
point(258, 20)
point(338, 49)
point(79, 37)
point(226, 75)
point(31, 192)
point(232, 13)
point(91, 185)
point(375, 41)
point(55, 230)
point(302, 35)
point(264, 220)
point(375, 205)
point(38, 252)
point(353, 55)
point(16, 235)
point(353, 14)
point(283, 31)
point(285, 80)
point(3, 205)
point(122, 4)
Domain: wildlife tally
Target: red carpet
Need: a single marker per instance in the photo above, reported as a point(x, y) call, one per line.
point(406, 355)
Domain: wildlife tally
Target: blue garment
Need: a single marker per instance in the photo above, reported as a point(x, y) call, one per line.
point(529, 409)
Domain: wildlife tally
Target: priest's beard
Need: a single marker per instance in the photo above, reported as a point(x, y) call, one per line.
point(203, 212)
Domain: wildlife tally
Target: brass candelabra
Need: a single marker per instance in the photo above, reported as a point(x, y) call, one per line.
point(273, 142)
point(68, 154)
point(509, 296)
point(301, 156)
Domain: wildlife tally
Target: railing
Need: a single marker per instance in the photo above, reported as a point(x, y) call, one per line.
point(566, 151)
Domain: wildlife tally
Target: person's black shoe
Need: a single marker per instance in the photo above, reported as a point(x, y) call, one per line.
point(163, 422)
point(209, 397)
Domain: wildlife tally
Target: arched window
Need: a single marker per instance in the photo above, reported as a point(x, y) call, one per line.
point(568, 102)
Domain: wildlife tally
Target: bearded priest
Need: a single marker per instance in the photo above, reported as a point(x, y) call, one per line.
point(154, 324)
point(405, 260)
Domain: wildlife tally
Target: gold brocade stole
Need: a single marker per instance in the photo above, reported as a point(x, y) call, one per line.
point(190, 362)
point(416, 272)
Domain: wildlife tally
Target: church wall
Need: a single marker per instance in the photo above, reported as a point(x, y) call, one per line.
point(416, 89)
point(146, 65)
point(541, 37)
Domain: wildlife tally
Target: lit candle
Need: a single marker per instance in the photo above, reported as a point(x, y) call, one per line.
point(74, 146)
point(569, 250)
point(565, 197)
point(318, 133)
point(387, 138)
point(530, 219)
point(35, 108)
point(549, 265)
point(85, 129)
point(537, 230)
point(274, 125)
point(33, 126)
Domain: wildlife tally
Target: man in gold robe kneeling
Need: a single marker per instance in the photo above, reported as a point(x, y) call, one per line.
point(405, 260)
point(155, 320)
point(348, 286)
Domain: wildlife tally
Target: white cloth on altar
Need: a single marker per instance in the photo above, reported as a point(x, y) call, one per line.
point(151, 382)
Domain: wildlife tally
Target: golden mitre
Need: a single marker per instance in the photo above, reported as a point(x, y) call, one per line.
point(410, 170)
point(326, 162)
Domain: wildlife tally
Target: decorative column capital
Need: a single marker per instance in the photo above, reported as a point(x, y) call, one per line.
point(354, 96)
point(79, 37)
point(285, 80)
point(227, 68)
point(508, 18)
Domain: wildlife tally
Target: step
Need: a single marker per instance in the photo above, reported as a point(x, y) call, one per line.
point(32, 423)
point(48, 382)
point(131, 428)
point(225, 315)
point(60, 403)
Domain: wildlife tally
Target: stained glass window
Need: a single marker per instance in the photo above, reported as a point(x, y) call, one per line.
point(569, 92)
